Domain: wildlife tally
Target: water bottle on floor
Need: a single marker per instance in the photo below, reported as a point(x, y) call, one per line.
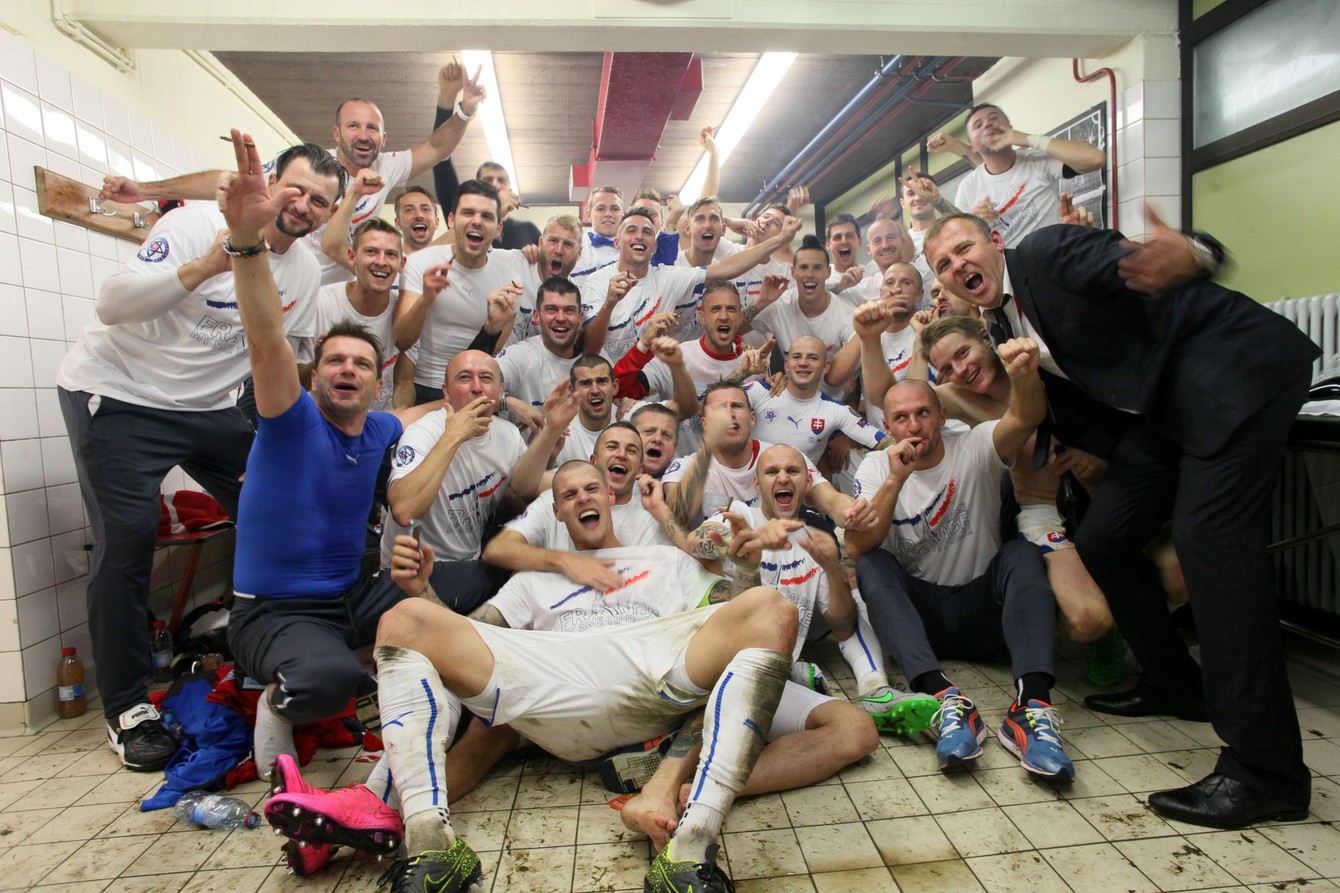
point(215, 811)
point(160, 647)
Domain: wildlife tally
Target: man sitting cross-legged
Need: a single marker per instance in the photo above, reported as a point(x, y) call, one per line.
point(580, 695)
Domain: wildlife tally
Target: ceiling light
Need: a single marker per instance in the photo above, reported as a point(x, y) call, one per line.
point(767, 74)
point(491, 112)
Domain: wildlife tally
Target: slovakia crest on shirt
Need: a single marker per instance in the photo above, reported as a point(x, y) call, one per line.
point(817, 426)
point(154, 251)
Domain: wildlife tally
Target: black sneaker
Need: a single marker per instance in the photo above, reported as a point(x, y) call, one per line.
point(669, 876)
point(141, 740)
point(453, 870)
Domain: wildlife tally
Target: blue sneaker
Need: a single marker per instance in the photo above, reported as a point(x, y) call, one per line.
point(959, 727)
point(1033, 735)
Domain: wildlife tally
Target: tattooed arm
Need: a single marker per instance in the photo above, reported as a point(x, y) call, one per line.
point(486, 613)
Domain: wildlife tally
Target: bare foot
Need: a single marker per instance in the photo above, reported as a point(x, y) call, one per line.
point(652, 815)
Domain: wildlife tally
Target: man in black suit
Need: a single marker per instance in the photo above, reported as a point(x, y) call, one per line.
point(1188, 389)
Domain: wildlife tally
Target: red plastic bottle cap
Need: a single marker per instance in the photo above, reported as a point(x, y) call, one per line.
point(158, 624)
point(67, 652)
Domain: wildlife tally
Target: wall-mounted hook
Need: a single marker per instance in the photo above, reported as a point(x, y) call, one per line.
point(138, 221)
point(95, 207)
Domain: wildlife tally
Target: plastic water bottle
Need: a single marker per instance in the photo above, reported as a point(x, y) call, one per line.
point(160, 647)
point(215, 811)
point(70, 700)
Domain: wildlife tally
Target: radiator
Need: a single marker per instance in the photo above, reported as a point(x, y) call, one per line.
point(1317, 317)
point(1307, 574)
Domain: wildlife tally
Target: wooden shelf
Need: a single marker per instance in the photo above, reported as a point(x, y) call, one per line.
point(61, 198)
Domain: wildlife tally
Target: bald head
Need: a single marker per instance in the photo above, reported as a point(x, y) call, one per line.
point(472, 374)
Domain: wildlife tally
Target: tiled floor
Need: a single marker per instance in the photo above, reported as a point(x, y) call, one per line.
point(70, 819)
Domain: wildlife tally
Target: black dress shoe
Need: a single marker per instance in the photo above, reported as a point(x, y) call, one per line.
point(1218, 801)
point(1145, 702)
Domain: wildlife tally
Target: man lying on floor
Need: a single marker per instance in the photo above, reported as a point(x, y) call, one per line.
point(577, 694)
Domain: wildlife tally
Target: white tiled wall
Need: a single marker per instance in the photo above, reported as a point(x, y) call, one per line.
point(1149, 153)
point(50, 272)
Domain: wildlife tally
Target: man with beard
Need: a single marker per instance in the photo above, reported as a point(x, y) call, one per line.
point(622, 298)
point(149, 386)
point(360, 138)
point(1015, 188)
point(937, 580)
point(718, 354)
point(416, 217)
point(886, 243)
point(592, 379)
point(531, 368)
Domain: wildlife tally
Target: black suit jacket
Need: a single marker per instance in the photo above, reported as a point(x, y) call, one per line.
point(1195, 362)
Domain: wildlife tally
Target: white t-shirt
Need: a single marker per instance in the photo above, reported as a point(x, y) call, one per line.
point(633, 525)
point(473, 486)
point(581, 443)
point(793, 572)
point(193, 356)
point(785, 321)
point(530, 370)
point(332, 306)
point(394, 168)
point(1026, 196)
point(657, 581)
point(703, 368)
point(595, 257)
point(662, 290)
point(725, 484)
point(461, 308)
point(897, 349)
point(945, 526)
point(807, 425)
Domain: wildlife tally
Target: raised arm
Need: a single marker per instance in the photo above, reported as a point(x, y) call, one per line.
point(200, 186)
point(560, 408)
point(868, 321)
point(712, 181)
point(335, 243)
point(745, 260)
point(446, 137)
point(1078, 155)
point(248, 206)
point(684, 393)
point(1028, 400)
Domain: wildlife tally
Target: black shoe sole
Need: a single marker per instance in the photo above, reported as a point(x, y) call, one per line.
point(1287, 815)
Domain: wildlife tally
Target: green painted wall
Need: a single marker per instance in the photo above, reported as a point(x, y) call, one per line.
point(1275, 210)
point(1200, 7)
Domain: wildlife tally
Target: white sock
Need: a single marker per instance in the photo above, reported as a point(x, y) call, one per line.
point(272, 736)
point(380, 783)
point(863, 653)
point(738, 718)
point(418, 716)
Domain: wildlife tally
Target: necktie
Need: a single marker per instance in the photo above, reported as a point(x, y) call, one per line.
point(599, 241)
point(1001, 330)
